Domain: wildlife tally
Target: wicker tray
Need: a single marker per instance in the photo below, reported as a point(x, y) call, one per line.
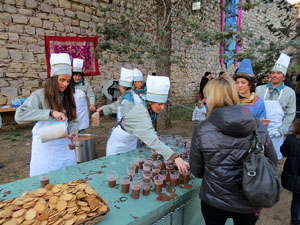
point(97, 218)
point(71, 203)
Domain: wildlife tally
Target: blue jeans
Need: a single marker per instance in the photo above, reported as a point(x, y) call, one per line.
point(214, 216)
point(295, 209)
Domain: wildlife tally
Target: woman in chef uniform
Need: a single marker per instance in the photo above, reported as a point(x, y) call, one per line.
point(123, 105)
point(140, 120)
point(53, 102)
point(82, 90)
point(139, 89)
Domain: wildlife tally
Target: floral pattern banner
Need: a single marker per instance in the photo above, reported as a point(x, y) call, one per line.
point(77, 47)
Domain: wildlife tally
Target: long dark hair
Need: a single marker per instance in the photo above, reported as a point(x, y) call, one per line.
point(53, 98)
point(149, 108)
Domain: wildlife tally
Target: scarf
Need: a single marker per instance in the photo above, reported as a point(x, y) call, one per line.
point(251, 98)
point(141, 91)
point(61, 94)
point(128, 96)
point(153, 118)
point(80, 82)
point(278, 89)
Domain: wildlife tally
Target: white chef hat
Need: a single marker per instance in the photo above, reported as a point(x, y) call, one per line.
point(137, 75)
point(77, 65)
point(60, 64)
point(157, 88)
point(282, 63)
point(126, 77)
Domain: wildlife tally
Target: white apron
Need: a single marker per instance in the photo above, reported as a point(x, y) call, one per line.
point(120, 141)
point(275, 113)
point(138, 98)
point(81, 109)
point(51, 155)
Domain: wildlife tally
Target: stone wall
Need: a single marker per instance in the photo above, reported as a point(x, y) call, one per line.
point(23, 24)
point(198, 59)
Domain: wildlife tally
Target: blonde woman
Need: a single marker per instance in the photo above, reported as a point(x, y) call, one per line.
point(219, 145)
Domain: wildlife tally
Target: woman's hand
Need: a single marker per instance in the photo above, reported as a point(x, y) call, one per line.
point(265, 121)
point(59, 116)
point(182, 165)
point(92, 108)
point(99, 110)
point(73, 136)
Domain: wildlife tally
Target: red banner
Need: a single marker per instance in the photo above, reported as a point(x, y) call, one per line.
point(77, 47)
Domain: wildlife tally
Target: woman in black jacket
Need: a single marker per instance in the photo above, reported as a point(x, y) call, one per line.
point(204, 81)
point(297, 91)
point(219, 145)
point(290, 177)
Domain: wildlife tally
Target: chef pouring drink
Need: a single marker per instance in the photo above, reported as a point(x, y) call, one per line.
point(52, 108)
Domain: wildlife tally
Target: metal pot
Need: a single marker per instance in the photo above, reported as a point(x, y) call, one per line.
point(85, 148)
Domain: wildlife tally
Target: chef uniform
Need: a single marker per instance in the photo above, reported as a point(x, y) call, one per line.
point(139, 95)
point(280, 105)
point(80, 97)
point(120, 141)
point(138, 121)
point(83, 84)
point(54, 154)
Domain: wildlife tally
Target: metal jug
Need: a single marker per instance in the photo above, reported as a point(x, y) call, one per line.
point(85, 148)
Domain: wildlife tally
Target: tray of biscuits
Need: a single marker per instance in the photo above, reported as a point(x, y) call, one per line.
point(70, 203)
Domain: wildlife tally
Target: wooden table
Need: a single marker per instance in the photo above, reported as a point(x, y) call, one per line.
point(10, 109)
point(7, 116)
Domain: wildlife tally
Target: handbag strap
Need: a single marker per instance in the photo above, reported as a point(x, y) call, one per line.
point(256, 145)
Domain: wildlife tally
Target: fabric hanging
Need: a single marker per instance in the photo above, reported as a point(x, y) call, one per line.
point(231, 18)
point(77, 47)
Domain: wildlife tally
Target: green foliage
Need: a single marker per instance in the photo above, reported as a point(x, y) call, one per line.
point(180, 113)
point(127, 36)
point(129, 43)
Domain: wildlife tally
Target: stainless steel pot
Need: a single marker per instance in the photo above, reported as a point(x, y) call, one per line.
point(85, 149)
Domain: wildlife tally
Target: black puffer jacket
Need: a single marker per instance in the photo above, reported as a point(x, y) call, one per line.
point(290, 177)
point(219, 146)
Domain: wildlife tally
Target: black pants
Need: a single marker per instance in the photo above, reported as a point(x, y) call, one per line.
point(295, 209)
point(214, 216)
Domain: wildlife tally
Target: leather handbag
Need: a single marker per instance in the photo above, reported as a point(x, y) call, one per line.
point(260, 180)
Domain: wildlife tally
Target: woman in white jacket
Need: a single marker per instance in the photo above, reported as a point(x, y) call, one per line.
point(53, 102)
point(140, 122)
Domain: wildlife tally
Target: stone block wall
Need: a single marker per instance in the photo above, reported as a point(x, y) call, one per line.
point(23, 24)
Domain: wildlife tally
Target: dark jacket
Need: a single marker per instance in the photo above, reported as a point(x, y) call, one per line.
point(203, 82)
point(290, 177)
point(219, 146)
point(298, 104)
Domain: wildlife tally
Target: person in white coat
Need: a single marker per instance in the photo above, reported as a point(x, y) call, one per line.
point(82, 90)
point(280, 102)
point(141, 119)
point(139, 88)
point(123, 105)
point(53, 102)
point(80, 83)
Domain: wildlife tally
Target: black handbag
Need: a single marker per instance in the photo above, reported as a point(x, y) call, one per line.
point(260, 180)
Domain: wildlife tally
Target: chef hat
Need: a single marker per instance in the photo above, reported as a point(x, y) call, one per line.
point(126, 77)
point(137, 75)
point(157, 88)
point(282, 63)
point(245, 68)
point(60, 64)
point(77, 65)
